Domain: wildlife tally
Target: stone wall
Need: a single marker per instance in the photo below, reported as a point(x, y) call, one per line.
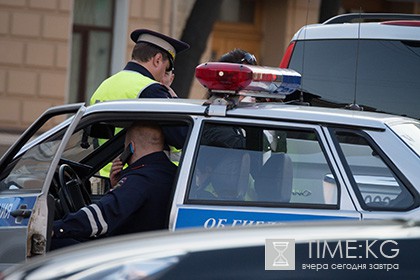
point(34, 59)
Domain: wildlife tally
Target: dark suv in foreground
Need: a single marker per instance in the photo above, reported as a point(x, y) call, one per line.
point(373, 64)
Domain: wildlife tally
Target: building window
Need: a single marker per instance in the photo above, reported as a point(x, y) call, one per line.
point(91, 47)
point(238, 11)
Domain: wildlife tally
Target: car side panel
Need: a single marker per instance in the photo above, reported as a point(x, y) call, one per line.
point(14, 228)
point(209, 215)
point(217, 217)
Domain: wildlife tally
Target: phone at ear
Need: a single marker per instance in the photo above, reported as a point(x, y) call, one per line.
point(128, 152)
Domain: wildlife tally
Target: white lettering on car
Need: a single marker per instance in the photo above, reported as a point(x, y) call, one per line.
point(5, 209)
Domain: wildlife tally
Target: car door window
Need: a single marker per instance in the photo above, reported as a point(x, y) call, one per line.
point(263, 166)
point(28, 171)
point(373, 178)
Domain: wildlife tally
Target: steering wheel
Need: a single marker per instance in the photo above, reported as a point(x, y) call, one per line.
point(72, 191)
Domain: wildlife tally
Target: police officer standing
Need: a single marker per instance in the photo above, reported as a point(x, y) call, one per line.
point(152, 56)
point(140, 197)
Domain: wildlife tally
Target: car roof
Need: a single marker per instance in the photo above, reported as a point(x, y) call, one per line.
point(368, 30)
point(268, 110)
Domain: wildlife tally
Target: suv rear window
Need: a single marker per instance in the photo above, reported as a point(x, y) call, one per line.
point(387, 74)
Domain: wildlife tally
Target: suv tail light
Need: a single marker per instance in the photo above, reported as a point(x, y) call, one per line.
point(403, 22)
point(287, 55)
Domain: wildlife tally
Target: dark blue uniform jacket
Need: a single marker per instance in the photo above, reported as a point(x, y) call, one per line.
point(140, 202)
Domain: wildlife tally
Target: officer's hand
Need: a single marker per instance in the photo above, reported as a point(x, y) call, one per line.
point(116, 168)
point(172, 92)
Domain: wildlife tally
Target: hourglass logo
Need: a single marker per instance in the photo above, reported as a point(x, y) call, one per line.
point(280, 254)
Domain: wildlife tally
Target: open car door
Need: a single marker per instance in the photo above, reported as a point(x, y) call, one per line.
point(26, 172)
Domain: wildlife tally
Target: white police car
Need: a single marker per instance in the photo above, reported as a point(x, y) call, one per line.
point(242, 163)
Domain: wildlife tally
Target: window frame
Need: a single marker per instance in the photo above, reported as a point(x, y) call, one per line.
point(287, 126)
point(85, 32)
point(390, 165)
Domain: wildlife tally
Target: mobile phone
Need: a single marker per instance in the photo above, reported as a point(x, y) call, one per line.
point(128, 152)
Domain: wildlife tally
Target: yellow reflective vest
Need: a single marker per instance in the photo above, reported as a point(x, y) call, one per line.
point(125, 84)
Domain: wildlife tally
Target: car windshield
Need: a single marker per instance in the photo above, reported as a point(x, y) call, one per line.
point(409, 132)
point(30, 170)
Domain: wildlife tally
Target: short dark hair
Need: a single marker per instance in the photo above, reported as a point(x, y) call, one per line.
point(146, 132)
point(239, 56)
point(144, 52)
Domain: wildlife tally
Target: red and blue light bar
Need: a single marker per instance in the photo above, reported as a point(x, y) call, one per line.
point(247, 79)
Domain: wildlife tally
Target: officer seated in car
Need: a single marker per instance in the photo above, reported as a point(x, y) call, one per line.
point(140, 197)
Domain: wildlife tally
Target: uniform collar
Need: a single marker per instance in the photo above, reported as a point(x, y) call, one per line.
point(143, 161)
point(133, 66)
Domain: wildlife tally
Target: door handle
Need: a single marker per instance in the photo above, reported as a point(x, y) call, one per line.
point(21, 213)
point(24, 213)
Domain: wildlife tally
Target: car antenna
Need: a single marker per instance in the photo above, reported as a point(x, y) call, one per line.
point(354, 106)
point(300, 101)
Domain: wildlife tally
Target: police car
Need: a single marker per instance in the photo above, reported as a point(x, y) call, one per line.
point(242, 163)
point(368, 57)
